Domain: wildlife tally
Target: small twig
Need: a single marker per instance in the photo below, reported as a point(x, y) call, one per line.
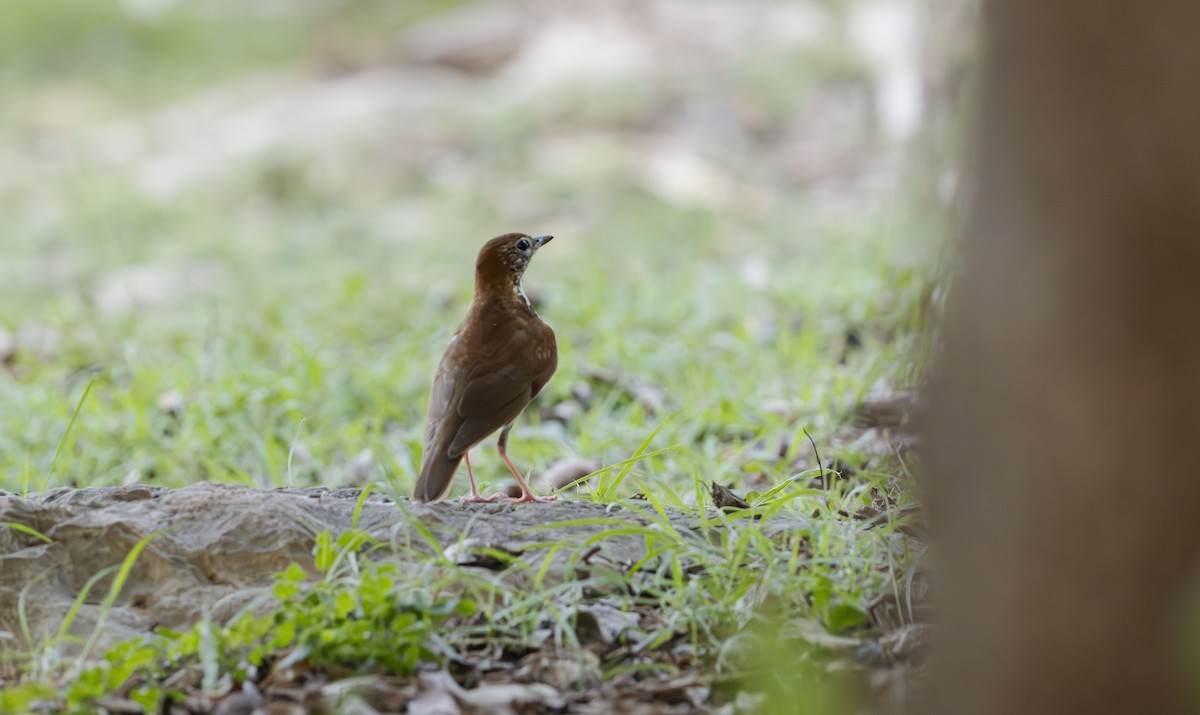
point(824, 476)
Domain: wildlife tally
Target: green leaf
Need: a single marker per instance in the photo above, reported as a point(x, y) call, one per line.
point(466, 608)
point(324, 551)
point(344, 604)
point(287, 582)
point(843, 617)
point(149, 697)
point(285, 634)
point(21, 698)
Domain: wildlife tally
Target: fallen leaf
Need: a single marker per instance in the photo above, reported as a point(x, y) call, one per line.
point(601, 624)
point(893, 409)
point(569, 470)
point(726, 500)
point(478, 553)
point(362, 467)
point(8, 348)
point(564, 672)
point(437, 694)
point(652, 397)
point(505, 698)
point(171, 402)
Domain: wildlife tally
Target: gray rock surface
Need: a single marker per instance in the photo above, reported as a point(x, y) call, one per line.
point(215, 547)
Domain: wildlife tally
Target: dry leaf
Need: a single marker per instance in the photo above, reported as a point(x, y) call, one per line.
point(726, 500)
point(568, 470)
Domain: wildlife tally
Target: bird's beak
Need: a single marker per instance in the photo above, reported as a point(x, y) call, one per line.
point(539, 241)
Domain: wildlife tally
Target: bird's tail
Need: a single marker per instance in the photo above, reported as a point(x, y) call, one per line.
point(437, 473)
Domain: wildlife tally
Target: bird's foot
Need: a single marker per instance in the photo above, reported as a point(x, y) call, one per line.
point(476, 498)
point(529, 497)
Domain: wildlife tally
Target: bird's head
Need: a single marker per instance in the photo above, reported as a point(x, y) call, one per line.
point(503, 260)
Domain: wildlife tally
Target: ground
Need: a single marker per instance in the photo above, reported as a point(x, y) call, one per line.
point(237, 243)
point(606, 606)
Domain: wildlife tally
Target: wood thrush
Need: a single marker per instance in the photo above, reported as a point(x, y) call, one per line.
point(498, 360)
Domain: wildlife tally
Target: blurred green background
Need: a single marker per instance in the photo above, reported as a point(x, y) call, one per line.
point(250, 227)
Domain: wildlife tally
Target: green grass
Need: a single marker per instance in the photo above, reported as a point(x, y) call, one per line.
point(344, 342)
point(325, 289)
point(112, 54)
point(339, 328)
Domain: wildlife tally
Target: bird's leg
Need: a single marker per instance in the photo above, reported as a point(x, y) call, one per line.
point(473, 497)
point(527, 494)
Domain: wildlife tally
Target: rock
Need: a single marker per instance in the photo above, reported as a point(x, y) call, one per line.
point(215, 547)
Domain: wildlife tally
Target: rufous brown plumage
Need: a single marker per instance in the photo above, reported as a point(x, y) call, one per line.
point(498, 360)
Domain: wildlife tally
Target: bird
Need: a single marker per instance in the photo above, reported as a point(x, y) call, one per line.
point(497, 361)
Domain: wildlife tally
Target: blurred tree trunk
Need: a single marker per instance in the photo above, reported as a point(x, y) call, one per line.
point(1064, 415)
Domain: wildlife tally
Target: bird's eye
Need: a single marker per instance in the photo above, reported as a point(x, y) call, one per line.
point(523, 244)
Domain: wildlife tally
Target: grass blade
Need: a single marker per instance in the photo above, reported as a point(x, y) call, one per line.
point(70, 424)
point(358, 505)
point(607, 490)
point(27, 530)
point(115, 590)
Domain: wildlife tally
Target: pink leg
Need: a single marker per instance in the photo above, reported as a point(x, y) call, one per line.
point(473, 497)
point(527, 494)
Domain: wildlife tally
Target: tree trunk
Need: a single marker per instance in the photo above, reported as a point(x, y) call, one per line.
point(1064, 413)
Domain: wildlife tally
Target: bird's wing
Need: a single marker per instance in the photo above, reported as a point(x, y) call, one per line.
point(489, 401)
point(442, 419)
point(440, 397)
point(497, 390)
